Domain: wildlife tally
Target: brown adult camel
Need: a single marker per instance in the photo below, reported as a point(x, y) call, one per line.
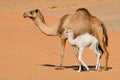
point(80, 22)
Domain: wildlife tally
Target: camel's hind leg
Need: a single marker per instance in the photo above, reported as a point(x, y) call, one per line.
point(94, 47)
point(105, 52)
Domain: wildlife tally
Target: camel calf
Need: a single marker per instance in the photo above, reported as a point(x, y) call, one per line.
point(82, 41)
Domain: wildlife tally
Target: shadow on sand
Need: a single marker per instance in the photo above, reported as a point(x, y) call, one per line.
point(74, 67)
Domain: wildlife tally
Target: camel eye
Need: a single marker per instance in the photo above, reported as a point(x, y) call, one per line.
point(31, 12)
point(37, 10)
point(66, 31)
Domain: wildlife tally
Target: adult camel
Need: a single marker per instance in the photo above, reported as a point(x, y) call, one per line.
point(80, 22)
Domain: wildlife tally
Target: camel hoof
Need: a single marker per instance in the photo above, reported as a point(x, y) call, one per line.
point(98, 70)
point(105, 69)
point(87, 70)
point(59, 68)
point(95, 69)
point(79, 71)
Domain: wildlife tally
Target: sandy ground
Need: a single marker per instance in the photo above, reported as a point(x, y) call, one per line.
point(28, 54)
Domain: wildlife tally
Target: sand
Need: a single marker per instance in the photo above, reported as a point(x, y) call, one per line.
point(28, 54)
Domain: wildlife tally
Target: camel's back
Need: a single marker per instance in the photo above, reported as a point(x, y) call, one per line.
point(79, 22)
point(85, 40)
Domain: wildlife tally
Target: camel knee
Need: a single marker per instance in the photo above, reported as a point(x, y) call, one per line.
point(106, 56)
point(62, 55)
point(105, 52)
point(98, 55)
point(79, 58)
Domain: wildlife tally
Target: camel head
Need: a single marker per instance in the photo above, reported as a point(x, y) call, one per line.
point(68, 32)
point(33, 14)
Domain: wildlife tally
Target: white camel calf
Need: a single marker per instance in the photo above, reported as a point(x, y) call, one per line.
point(82, 41)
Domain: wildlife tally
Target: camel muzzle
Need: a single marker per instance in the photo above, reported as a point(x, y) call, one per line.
point(24, 15)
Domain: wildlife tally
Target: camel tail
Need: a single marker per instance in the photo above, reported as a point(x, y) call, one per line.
point(105, 34)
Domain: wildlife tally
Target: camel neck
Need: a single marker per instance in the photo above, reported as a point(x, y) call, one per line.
point(71, 40)
point(48, 30)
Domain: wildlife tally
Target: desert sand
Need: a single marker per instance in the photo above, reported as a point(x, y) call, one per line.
point(28, 54)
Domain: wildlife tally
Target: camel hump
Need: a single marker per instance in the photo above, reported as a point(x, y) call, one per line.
point(84, 10)
point(81, 9)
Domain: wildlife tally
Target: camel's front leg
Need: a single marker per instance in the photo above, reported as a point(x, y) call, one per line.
point(80, 60)
point(63, 43)
point(75, 49)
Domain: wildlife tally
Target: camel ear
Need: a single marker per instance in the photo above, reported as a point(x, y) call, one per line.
point(37, 10)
